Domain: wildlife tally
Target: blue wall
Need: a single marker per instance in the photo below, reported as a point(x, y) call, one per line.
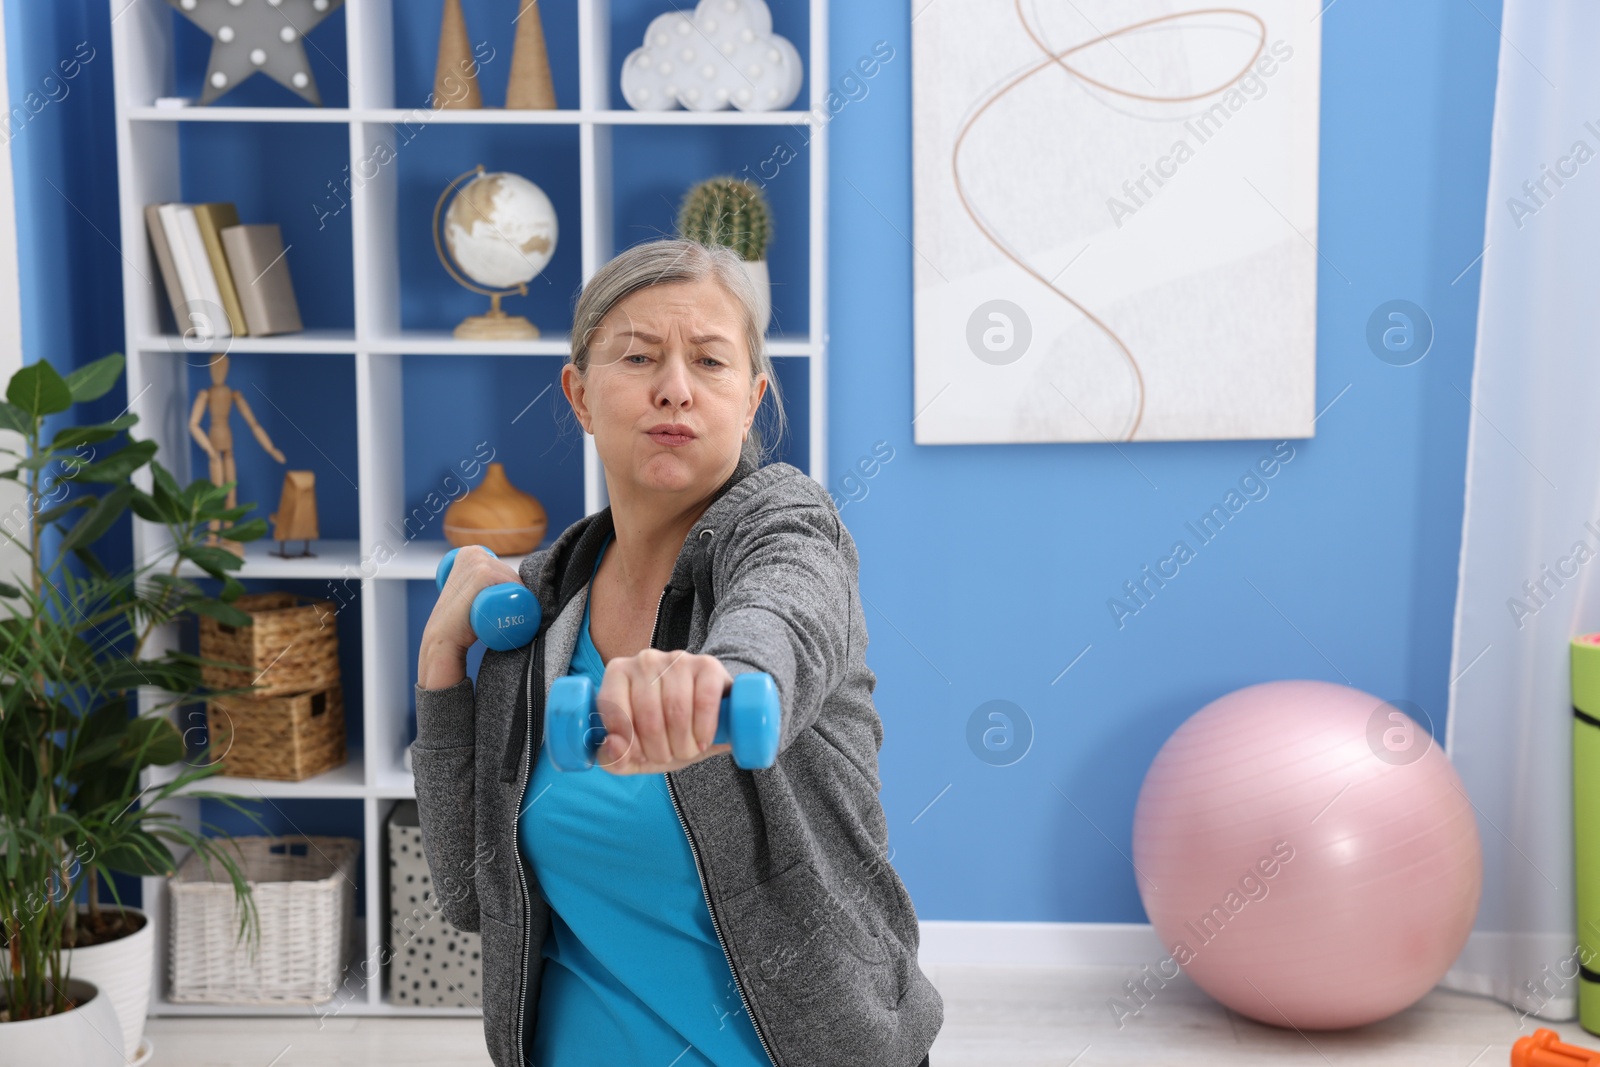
point(986, 570)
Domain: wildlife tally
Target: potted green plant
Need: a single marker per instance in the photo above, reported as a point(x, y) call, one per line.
point(75, 737)
point(732, 212)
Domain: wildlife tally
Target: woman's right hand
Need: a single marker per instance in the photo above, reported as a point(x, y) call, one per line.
point(448, 635)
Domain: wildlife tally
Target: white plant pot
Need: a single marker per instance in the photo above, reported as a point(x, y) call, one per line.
point(757, 269)
point(87, 1036)
point(122, 970)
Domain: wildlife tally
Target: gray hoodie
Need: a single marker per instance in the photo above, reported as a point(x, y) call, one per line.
point(819, 930)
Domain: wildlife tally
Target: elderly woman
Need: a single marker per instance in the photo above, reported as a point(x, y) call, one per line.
point(670, 907)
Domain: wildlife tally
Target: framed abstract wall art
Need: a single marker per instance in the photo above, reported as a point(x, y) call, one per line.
point(1115, 220)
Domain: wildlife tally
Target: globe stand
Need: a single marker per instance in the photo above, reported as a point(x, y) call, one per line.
point(495, 325)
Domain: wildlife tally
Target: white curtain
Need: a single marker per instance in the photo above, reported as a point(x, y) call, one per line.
point(1532, 496)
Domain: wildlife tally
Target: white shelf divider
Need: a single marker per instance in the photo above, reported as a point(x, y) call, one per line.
point(388, 553)
point(149, 113)
point(487, 116)
point(309, 341)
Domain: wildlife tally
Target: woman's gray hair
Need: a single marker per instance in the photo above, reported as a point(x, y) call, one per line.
point(677, 260)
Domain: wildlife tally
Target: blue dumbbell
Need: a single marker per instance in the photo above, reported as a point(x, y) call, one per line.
point(504, 616)
point(749, 717)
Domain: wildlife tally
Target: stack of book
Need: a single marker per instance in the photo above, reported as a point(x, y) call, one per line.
point(223, 279)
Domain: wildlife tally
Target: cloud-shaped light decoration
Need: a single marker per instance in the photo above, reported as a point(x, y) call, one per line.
point(725, 53)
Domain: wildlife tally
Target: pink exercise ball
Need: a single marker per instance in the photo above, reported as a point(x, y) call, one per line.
point(1307, 855)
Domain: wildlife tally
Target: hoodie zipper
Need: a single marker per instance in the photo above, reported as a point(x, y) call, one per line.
point(522, 875)
point(694, 850)
point(673, 793)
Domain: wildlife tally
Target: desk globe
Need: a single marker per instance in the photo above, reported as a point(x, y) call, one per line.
point(500, 232)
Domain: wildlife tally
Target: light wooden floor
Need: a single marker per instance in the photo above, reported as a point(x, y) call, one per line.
point(994, 1017)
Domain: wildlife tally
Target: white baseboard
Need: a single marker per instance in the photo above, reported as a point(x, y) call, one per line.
point(1038, 944)
point(1484, 967)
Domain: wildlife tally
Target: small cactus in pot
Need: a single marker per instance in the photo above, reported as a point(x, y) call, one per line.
point(732, 212)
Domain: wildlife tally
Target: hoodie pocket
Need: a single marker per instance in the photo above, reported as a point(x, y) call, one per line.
point(822, 913)
point(502, 985)
point(824, 981)
point(798, 925)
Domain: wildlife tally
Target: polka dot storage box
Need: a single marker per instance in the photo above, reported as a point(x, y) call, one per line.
point(430, 962)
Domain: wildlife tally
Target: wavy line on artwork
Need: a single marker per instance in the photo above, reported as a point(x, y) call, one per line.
point(1059, 59)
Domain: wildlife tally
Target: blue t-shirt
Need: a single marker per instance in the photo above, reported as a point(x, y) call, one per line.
point(633, 972)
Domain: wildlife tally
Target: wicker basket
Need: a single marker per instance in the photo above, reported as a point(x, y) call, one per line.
point(305, 891)
point(287, 738)
point(292, 645)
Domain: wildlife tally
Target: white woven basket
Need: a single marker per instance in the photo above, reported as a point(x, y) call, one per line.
point(305, 892)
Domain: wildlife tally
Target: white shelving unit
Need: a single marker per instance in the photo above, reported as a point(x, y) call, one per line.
point(148, 170)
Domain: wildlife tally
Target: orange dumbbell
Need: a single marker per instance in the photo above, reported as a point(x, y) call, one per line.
point(1546, 1049)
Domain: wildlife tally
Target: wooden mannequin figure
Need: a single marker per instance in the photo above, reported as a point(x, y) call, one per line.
point(218, 440)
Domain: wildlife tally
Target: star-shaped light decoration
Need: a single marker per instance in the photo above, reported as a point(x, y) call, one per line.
point(257, 36)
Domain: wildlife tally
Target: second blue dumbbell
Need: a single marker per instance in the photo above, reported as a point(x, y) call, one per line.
point(504, 616)
point(748, 718)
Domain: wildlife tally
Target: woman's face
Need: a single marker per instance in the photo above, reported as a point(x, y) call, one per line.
point(668, 354)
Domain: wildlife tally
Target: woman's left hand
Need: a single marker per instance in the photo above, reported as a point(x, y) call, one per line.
point(660, 711)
